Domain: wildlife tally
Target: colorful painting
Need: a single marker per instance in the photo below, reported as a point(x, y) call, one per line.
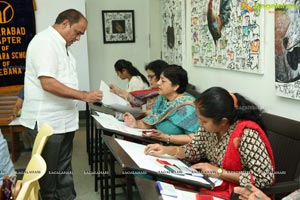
point(227, 34)
point(287, 50)
point(173, 30)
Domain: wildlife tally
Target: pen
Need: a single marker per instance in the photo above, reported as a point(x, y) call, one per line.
point(257, 197)
point(177, 167)
point(208, 180)
point(169, 168)
point(200, 175)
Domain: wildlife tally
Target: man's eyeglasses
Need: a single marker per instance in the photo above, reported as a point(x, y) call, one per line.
point(151, 76)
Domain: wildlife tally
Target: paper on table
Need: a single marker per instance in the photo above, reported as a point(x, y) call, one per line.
point(184, 195)
point(181, 195)
point(110, 122)
point(15, 122)
point(116, 102)
point(136, 152)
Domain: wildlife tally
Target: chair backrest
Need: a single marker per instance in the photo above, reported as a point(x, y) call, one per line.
point(284, 136)
point(7, 103)
point(44, 132)
point(35, 169)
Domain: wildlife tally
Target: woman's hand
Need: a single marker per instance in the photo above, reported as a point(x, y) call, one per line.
point(207, 169)
point(129, 120)
point(250, 192)
point(114, 89)
point(118, 91)
point(154, 150)
point(157, 135)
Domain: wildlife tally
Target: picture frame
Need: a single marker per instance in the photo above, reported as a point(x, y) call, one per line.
point(118, 26)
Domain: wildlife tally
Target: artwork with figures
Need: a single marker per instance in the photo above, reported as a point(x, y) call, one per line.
point(287, 50)
point(227, 34)
point(173, 26)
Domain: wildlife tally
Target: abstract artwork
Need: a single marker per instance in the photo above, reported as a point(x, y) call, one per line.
point(118, 26)
point(173, 30)
point(287, 50)
point(227, 34)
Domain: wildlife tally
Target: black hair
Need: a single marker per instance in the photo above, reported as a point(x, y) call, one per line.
point(178, 76)
point(72, 15)
point(217, 103)
point(157, 67)
point(125, 64)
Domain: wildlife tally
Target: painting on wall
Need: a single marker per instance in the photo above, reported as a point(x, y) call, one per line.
point(118, 26)
point(173, 30)
point(227, 34)
point(287, 50)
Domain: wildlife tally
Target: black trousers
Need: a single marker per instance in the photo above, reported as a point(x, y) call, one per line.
point(57, 183)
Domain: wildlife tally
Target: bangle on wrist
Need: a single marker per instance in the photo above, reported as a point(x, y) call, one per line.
point(168, 139)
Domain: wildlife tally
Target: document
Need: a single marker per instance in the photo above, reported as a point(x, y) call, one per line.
point(15, 122)
point(110, 122)
point(173, 193)
point(116, 102)
point(165, 164)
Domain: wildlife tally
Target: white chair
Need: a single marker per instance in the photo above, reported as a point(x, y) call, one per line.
point(35, 169)
point(44, 132)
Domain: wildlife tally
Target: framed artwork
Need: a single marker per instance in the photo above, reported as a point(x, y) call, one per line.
point(118, 26)
point(287, 49)
point(173, 31)
point(228, 34)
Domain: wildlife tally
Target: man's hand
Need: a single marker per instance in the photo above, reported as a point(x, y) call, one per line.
point(17, 107)
point(92, 96)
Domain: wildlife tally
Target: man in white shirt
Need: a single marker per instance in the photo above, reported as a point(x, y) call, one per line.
point(51, 94)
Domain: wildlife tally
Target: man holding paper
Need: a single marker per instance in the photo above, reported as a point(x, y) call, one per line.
point(51, 96)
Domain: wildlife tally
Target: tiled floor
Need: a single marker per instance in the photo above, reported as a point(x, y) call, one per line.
point(84, 183)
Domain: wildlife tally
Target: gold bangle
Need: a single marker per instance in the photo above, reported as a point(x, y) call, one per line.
point(169, 139)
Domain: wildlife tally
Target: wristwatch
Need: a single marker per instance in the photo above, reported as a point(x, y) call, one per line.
point(219, 172)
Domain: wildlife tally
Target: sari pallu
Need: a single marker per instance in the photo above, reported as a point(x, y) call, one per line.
point(176, 117)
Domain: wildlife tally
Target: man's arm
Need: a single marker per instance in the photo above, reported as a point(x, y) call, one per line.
point(55, 87)
point(18, 104)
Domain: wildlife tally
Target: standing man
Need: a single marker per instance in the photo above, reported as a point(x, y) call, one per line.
point(51, 94)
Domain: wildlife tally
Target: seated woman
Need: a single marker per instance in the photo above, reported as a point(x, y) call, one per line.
point(6, 165)
point(232, 137)
point(148, 96)
point(136, 80)
point(173, 114)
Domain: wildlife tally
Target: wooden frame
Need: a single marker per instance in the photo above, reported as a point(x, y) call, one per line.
point(118, 26)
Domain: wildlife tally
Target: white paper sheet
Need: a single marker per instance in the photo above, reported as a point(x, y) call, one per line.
point(116, 102)
point(184, 195)
point(110, 122)
point(136, 152)
point(15, 122)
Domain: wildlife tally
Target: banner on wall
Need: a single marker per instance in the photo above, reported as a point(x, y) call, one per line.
point(17, 28)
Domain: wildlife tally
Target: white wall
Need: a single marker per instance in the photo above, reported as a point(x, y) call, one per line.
point(46, 14)
point(103, 56)
point(155, 29)
point(258, 88)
